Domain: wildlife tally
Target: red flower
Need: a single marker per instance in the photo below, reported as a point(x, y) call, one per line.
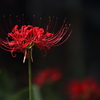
point(18, 40)
point(85, 89)
point(74, 89)
point(42, 77)
point(47, 75)
point(55, 74)
point(90, 88)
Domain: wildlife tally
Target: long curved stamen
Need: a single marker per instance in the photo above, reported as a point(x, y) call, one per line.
point(22, 19)
point(59, 33)
point(3, 33)
point(33, 20)
point(65, 39)
point(17, 19)
point(10, 21)
point(50, 26)
point(54, 25)
point(40, 22)
point(6, 23)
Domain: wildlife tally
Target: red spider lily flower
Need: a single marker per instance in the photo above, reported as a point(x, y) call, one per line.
point(55, 75)
point(85, 89)
point(47, 75)
point(90, 89)
point(74, 89)
point(21, 39)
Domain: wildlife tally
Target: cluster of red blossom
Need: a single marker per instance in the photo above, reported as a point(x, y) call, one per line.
point(76, 89)
point(20, 39)
point(47, 75)
point(87, 89)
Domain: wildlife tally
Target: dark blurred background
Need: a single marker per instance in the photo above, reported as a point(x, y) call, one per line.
point(78, 57)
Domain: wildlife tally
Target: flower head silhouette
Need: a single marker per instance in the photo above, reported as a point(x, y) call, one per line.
point(21, 39)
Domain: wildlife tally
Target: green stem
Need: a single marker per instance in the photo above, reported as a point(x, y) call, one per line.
point(29, 73)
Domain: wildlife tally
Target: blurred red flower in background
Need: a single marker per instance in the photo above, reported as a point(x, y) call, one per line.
point(85, 89)
point(74, 89)
point(47, 75)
